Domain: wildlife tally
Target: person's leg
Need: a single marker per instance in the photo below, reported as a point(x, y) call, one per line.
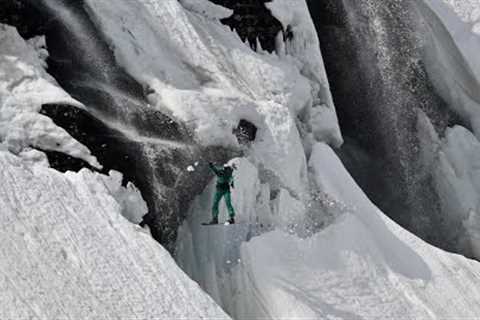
point(228, 201)
point(216, 201)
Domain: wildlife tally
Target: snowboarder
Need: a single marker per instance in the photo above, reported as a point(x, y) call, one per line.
point(224, 183)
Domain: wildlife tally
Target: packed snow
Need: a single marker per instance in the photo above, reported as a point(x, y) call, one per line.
point(67, 252)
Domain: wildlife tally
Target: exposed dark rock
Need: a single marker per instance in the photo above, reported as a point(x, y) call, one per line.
point(252, 21)
point(23, 16)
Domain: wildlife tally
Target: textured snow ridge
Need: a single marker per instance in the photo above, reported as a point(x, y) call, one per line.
point(24, 87)
point(67, 252)
point(362, 266)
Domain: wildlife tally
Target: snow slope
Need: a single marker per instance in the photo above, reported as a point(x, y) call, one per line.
point(67, 252)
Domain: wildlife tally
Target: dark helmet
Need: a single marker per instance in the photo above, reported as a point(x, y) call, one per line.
point(232, 166)
point(228, 170)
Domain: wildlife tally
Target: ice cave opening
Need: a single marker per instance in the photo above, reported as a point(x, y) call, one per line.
point(245, 132)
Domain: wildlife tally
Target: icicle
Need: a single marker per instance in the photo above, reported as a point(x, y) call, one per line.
point(280, 44)
point(259, 47)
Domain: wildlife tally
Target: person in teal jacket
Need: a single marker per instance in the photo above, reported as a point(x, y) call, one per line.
point(224, 183)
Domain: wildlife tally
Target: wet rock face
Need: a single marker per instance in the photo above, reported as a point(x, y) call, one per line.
point(14, 12)
point(373, 55)
point(252, 21)
point(118, 125)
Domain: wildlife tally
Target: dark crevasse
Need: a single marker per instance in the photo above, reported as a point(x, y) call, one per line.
point(373, 55)
point(120, 128)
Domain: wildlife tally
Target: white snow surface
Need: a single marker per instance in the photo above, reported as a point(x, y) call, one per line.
point(363, 266)
point(451, 54)
point(24, 87)
point(207, 8)
point(454, 162)
point(66, 252)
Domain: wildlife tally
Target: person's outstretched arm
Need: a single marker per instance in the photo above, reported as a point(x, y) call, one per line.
point(214, 168)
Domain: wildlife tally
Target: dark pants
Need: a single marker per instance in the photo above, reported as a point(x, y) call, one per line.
point(219, 194)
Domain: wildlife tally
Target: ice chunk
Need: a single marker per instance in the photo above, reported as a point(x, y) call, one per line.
point(133, 207)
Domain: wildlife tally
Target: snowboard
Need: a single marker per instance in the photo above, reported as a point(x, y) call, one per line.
point(218, 224)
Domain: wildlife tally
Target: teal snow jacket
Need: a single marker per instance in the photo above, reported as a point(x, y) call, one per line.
point(224, 177)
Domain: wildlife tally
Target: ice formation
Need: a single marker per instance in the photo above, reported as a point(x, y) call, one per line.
point(25, 86)
point(279, 261)
point(453, 49)
point(451, 55)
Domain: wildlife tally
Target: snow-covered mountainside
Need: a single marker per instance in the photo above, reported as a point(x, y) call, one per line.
point(162, 87)
point(67, 249)
point(67, 252)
